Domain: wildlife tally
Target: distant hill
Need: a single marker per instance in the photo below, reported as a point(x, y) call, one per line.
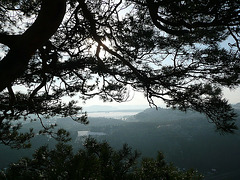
point(161, 114)
point(71, 125)
point(236, 106)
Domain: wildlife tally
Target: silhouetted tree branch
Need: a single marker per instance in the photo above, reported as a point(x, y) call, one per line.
point(170, 50)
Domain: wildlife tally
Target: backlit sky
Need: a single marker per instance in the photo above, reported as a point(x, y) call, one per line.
point(233, 96)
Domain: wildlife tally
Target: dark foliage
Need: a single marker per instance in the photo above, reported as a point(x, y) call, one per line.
point(182, 52)
point(95, 161)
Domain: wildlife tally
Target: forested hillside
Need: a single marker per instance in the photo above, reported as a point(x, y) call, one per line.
point(186, 138)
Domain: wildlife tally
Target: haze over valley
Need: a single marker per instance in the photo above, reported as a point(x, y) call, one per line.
point(186, 139)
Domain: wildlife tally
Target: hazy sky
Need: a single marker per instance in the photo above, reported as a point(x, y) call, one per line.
point(232, 95)
point(138, 100)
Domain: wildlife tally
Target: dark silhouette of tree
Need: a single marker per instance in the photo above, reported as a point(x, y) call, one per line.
point(172, 50)
point(96, 161)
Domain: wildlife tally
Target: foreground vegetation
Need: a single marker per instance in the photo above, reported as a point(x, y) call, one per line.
point(97, 160)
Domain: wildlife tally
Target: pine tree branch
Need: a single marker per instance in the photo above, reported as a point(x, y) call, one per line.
point(8, 40)
point(15, 62)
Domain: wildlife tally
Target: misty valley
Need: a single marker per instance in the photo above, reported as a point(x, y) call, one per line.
point(186, 139)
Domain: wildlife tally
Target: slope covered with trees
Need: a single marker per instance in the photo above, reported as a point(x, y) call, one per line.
point(186, 139)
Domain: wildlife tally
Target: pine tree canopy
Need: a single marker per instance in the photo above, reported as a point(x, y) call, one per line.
point(181, 51)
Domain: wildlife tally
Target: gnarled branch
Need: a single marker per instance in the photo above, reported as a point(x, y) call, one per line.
point(15, 62)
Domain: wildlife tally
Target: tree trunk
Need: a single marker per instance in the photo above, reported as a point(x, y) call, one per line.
point(13, 65)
